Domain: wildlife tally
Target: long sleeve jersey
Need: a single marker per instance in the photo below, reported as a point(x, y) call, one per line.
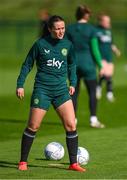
point(84, 39)
point(105, 43)
point(55, 61)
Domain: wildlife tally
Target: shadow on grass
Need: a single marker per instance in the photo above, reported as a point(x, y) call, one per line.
point(51, 161)
point(11, 121)
point(8, 164)
point(16, 121)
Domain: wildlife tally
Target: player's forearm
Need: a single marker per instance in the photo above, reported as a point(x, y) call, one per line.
point(27, 65)
point(26, 68)
point(96, 52)
point(22, 76)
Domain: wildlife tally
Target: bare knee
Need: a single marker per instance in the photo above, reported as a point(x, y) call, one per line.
point(70, 126)
point(33, 127)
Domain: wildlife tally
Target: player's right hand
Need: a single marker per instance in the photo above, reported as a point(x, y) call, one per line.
point(20, 93)
point(102, 72)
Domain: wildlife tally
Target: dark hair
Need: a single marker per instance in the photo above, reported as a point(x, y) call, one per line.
point(81, 11)
point(54, 19)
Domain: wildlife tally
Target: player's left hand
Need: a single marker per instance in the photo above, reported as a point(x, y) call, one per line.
point(71, 90)
point(118, 53)
point(116, 50)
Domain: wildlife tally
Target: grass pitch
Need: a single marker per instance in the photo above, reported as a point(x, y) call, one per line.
point(107, 147)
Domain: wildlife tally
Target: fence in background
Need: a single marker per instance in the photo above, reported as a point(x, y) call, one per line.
point(16, 37)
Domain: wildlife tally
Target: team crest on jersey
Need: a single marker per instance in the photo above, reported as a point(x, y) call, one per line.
point(64, 51)
point(36, 101)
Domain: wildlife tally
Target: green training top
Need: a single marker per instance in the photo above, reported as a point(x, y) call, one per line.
point(55, 61)
point(105, 43)
point(84, 39)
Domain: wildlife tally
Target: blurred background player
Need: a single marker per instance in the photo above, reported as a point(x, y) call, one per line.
point(54, 55)
point(106, 46)
point(43, 22)
point(83, 36)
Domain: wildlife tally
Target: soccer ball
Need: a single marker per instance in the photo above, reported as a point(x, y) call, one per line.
point(54, 151)
point(82, 156)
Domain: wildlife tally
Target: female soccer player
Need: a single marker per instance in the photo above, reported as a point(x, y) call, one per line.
point(83, 36)
point(106, 47)
point(54, 57)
